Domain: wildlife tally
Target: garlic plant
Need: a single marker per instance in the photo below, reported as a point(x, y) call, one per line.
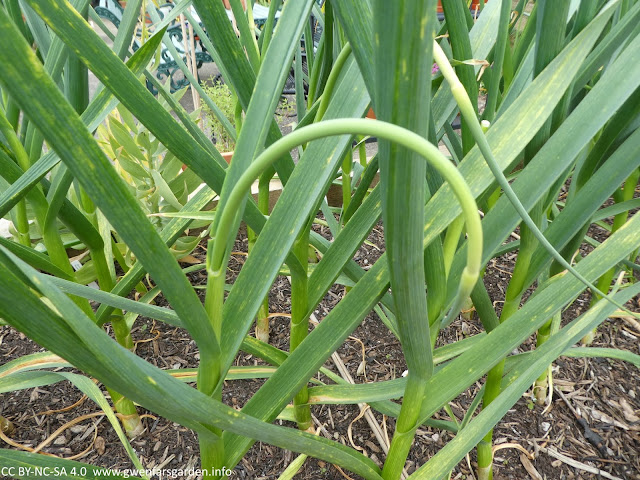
point(562, 109)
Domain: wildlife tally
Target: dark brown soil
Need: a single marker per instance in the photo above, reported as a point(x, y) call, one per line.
point(604, 391)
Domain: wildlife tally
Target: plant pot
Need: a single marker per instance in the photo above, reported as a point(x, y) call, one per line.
point(475, 4)
point(227, 156)
point(370, 114)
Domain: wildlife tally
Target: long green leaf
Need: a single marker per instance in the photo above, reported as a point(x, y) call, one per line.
point(89, 348)
point(537, 362)
point(620, 81)
point(30, 379)
point(595, 352)
point(99, 108)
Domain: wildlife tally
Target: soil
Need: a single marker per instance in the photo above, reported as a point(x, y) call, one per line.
point(604, 391)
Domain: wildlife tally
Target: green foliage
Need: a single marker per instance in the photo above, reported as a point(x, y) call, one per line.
point(563, 109)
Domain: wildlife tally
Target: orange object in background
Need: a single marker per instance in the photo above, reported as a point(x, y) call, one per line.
point(228, 6)
point(474, 5)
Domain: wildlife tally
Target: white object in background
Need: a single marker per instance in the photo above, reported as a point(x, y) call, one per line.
point(77, 266)
point(4, 228)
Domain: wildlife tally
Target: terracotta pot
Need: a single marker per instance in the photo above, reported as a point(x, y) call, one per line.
point(474, 4)
point(227, 156)
point(370, 114)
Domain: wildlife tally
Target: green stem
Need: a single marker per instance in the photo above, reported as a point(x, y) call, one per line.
point(346, 179)
point(362, 152)
point(130, 419)
point(451, 240)
point(314, 77)
point(604, 282)
point(498, 61)
point(455, 13)
point(406, 425)
point(494, 377)
point(300, 323)
point(13, 113)
point(262, 320)
point(542, 383)
point(268, 26)
point(507, 68)
point(128, 414)
point(247, 38)
point(22, 224)
point(217, 259)
point(209, 376)
point(331, 81)
point(50, 236)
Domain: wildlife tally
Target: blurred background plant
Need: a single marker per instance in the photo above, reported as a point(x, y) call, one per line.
point(221, 95)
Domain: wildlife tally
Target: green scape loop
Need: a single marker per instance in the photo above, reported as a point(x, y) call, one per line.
point(353, 126)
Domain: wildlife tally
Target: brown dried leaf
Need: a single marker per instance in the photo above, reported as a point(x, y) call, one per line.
point(528, 466)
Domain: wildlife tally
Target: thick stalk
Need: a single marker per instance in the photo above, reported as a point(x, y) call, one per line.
point(507, 68)
point(13, 113)
point(217, 258)
point(314, 74)
point(247, 38)
point(77, 92)
point(300, 323)
point(394, 133)
point(451, 241)
point(267, 32)
point(327, 58)
point(125, 406)
point(212, 451)
point(128, 414)
point(22, 224)
point(409, 140)
point(363, 127)
point(406, 426)
point(362, 151)
point(541, 386)
point(404, 189)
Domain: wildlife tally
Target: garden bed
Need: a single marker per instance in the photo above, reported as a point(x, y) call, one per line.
point(606, 392)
